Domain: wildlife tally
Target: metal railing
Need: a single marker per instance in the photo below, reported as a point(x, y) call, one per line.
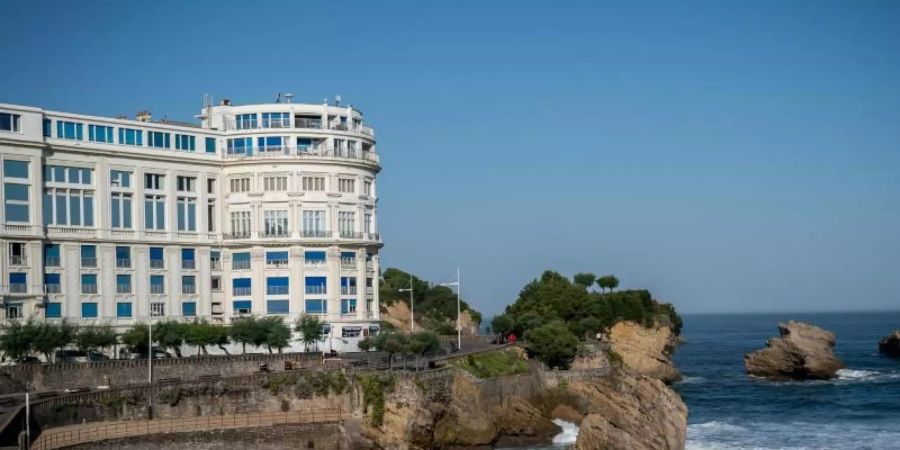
point(123, 263)
point(276, 233)
point(88, 288)
point(52, 288)
point(315, 124)
point(188, 288)
point(276, 263)
point(17, 260)
point(277, 290)
point(188, 264)
point(241, 291)
point(240, 265)
point(348, 264)
point(157, 264)
point(51, 261)
point(348, 290)
point(157, 289)
point(351, 235)
point(316, 290)
point(215, 264)
point(88, 262)
point(18, 288)
point(123, 288)
point(316, 233)
point(307, 152)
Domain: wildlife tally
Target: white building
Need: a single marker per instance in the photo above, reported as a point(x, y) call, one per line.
point(259, 209)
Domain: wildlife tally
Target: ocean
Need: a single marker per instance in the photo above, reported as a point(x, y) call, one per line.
point(730, 411)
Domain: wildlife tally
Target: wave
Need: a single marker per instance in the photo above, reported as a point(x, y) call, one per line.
point(691, 380)
point(736, 435)
point(568, 435)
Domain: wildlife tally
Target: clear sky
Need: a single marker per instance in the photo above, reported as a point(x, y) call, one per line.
point(729, 156)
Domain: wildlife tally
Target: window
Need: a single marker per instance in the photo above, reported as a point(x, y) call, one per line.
point(313, 183)
point(54, 310)
point(215, 284)
point(120, 179)
point(158, 139)
point(241, 306)
point(51, 255)
point(155, 212)
point(88, 283)
point(215, 260)
point(16, 187)
point(348, 306)
point(157, 309)
point(187, 214)
point(367, 187)
point(240, 287)
point(351, 149)
point(89, 310)
point(210, 215)
point(348, 285)
point(276, 120)
point(270, 144)
point(316, 306)
point(63, 205)
point(211, 186)
point(120, 210)
point(240, 185)
point(239, 146)
point(277, 259)
point(210, 145)
point(123, 310)
point(309, 121)
point(278, 307)
point(347, 185)
point(123, 257)
point(18, 283)
point(240, 261)
point(245, 121)
point(18, 253)
point(154, 181)
point(367, 224)
point(316, 285)
point(100, 133)
point(276, 183)
point(14, 311)
point(351, 332)
point(129, 136)
point(88, 256)
point(276, 223)
point(185, 142)
point(308, 145)
point(157, 260)
point(69, 130)
point(240, 224)
point(314, 259)
point(48, 126)
point(347, 223)
point(188, 284)
point(187, 259)
point(277, 286)
point(314, 223)
point(123, 284)
point(186, 184)
point(51, 283)
point(157, 284)
point(188, 309)
point(10, 122)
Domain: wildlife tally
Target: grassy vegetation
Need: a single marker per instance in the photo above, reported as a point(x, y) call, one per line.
point(374, 387)
point(493, 364)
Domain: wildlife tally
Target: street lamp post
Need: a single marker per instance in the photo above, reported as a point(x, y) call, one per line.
point(412, 306)
point(458, 325)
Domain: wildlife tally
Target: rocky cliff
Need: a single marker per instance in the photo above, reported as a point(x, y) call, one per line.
point(802, 351)
point(646, 351)
point(399, 315)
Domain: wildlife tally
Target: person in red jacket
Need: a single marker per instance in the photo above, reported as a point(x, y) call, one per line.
point(511, 339)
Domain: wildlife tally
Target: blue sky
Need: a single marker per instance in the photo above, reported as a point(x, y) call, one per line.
point(729, 156)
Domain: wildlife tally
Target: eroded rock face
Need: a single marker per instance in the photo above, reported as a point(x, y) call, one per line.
point(633, 412)
point(645, 350)
point(890, 344)
point(803, 352)
point(399, 315)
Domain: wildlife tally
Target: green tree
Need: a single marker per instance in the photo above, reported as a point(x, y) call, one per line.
point(202, 334)
point(95, 337)
point(170, 335)
point(608, 282)
point(244, 331)
point(277, 333)
point(135, 339)
point(422, 342)
point(553, 344)
point(503, 324)
point(585, 279)
point(310, 329)
point(17, 338)
point(51, 337)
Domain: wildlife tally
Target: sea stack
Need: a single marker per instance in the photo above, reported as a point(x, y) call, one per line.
point(890, 344)
point(803, 352)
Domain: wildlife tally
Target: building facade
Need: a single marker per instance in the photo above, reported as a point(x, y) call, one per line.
point(266, 209)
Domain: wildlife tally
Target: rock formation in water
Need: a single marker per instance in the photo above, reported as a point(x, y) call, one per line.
point(803, 352)
point(890, 344)
point(646, 351)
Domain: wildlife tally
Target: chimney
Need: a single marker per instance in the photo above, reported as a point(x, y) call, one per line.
point(226, 102)
point(143, 116)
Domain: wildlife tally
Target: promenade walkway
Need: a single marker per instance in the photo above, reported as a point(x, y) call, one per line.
point(70, 435)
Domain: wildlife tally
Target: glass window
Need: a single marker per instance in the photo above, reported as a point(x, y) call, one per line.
point(277, 286)
point(157, 284)
point(245, 121)
point(158, 139)
point(348, 306)
point(51, 255)
point(100, 133)
point(316, 285)
point(210, 145)
point(242, 307)
point(15, 169)
point(123, 309)
point(185, 142)
point(277, 258)
point(120, 179)
point(54, 310)
point(188, 309)
point(10, 122)
point(69, 130)
point(240, 261)
point(88, 310)
point(240, 146)
point(240, 286)
point(278, 307)
point(316, 306)
point(130, 136)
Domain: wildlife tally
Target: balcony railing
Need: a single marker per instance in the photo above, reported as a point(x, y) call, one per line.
point(188, 289)
point(370, 290)
point(157, 264)
point(88, 288)
point(316, 290)
point(276, 263)
point(307, 153)
point(123, 263)
point(242, 291)
point(315, 264)
point(348, 290)
point(276, 123)
point(51, 261)
point(18, 288)
point(276, 233)
point(123, 288)
point(316, 233)
point(240, 265)
point(237, 235)
point(314, 124)
point(17, 260)
point(88, 262)
point(157, 289)
point(277, 290)
point(188, 264)
point(347, 263)
point(52, 288)
point(351, 234)
point(215, 264)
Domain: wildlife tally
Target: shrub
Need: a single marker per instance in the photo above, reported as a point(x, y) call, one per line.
point(553, 344)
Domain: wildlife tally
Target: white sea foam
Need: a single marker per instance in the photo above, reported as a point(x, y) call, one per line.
point(692, 380)
point(851, 374)
point(568, 435)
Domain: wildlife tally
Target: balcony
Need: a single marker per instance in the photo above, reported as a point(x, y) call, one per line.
point(157, 289)
point(215, 264)
point(276, 232)
point(240, 265)
point(348, 263)
point(277, 290)
point(311, 124)
point(88, 288)
point(370, 290)
point(88, 262)
point(287, 152)
point(123, 288)
point(241, 291)
point(316, 234)
point(315, 264)
point(157, 264)
point(52, 288)
point(123, 263)
point(348, 290)
point(374, 236)
point(188, 264)
point(276, 263)
point(276, 123)
point(51, 261)
point(237, 235)
point(188, 289)
point(17, 260)
point(316, 290)
point(351, 234)
point(18, 288)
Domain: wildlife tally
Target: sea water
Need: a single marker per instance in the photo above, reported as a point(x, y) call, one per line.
point(728, 410)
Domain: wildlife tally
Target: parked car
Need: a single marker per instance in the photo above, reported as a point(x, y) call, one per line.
point(78, 356)
point(157, 354)
point(22, 360)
